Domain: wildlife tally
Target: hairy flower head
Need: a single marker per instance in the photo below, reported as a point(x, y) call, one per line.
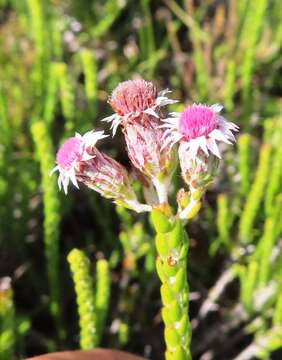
point(199, 128)
point(132, 98)
point(78, 160)
point(73, 151)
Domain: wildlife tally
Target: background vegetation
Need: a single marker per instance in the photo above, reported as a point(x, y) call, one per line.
point(59, 62)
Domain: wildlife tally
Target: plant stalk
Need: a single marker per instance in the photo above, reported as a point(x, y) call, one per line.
point(172, 247)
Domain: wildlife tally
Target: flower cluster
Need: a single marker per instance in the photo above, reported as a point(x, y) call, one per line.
point(152, 139)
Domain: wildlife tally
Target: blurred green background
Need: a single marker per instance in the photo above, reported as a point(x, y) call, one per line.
point(60, 60)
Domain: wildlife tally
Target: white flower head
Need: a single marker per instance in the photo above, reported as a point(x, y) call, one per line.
point(74, 151)
point(132, 98)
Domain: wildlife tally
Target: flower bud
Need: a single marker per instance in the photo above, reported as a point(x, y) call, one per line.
point(199, 172)
point(182, 198)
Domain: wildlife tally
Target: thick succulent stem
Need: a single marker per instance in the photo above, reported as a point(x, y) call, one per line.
point(172, 247)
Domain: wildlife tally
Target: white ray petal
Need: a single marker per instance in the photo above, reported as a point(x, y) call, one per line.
point(60, 181)
point(163, 92)
point(78, 136)
point(233, 126)
point(110, 118)
point(91, 137)
point(175, 114)
point(151, 111)
point(172, 122)
point(227, 124)
point(218, 135)
point(114, 127)
point(229, 134)
point(163, 101)
point(56, 168)
point(65, 184)
point(203, 144)
point(212, 146)
point(193, 148)
point(216, 108)
point(73, 178)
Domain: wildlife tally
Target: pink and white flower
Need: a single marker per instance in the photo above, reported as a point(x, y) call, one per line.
point(132, 98)
point(137, 109)
point(74, 151)
point(199, 128)
point(78, 160)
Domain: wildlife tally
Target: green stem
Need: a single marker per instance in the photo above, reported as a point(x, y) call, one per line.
point(172, 247)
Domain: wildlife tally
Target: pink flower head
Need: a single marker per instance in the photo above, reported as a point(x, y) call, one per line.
point(75, 150)
point(197, 121)
point(72, 150)
point(132, 98)
point(199, 128)
point(79, 160)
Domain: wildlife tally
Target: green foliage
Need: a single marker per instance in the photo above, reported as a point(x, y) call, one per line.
point(92, 306)
point(112, 10)
point(135, 242)
point(265, 246)
point(223, 223)
point(5, 145)
point(102, 296)
point(51, 96)
point(275, 178)
point(83, 283)
point(230, 85)
point(267, 343)
point(248, 279)
point(90, 71)
point(59, 63)
point(44, 153)
point(255, 196)
point(244, 150)
point(277, 316)
point(251, 30)
point(7, 320)
point(196, 36)
point(66, 91)
point(37, 21)
point(146, 34)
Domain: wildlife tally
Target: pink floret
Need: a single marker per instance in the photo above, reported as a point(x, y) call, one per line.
point(69, 152)
point(196, 121)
